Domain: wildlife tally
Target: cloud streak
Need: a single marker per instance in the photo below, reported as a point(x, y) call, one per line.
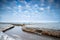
point(29, 10)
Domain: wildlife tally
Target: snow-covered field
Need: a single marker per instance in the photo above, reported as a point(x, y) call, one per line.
point(17, 34)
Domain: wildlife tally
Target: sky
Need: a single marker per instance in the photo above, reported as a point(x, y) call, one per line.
point(29, 10)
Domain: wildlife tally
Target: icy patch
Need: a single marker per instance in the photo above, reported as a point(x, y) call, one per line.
point(5, 37)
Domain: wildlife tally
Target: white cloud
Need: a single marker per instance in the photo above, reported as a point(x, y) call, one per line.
point(42, 9)
point(25, 12)
point(36, 5)
point(19, 6)
point(26, 16)
point(14, 13)
point(48, 7)
point(34, 8)
point(28, 6)
point(36, 11)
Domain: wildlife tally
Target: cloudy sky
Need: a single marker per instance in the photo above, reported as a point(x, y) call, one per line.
point(29, 10)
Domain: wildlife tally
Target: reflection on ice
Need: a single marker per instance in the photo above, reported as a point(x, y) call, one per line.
point(5, 37)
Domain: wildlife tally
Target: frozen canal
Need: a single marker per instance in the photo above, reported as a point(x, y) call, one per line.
point(19, 34)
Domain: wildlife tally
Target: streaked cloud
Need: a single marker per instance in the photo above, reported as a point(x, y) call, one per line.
point(46, 10)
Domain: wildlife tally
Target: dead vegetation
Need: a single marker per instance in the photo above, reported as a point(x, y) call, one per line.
point(42, 32)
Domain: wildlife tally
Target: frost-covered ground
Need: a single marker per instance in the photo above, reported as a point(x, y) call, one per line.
point(17, 34)
point(4, 36)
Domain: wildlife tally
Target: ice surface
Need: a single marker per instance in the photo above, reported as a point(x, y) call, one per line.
point(4, 36)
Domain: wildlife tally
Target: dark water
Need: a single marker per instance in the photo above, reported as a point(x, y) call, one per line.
point(19, 34)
